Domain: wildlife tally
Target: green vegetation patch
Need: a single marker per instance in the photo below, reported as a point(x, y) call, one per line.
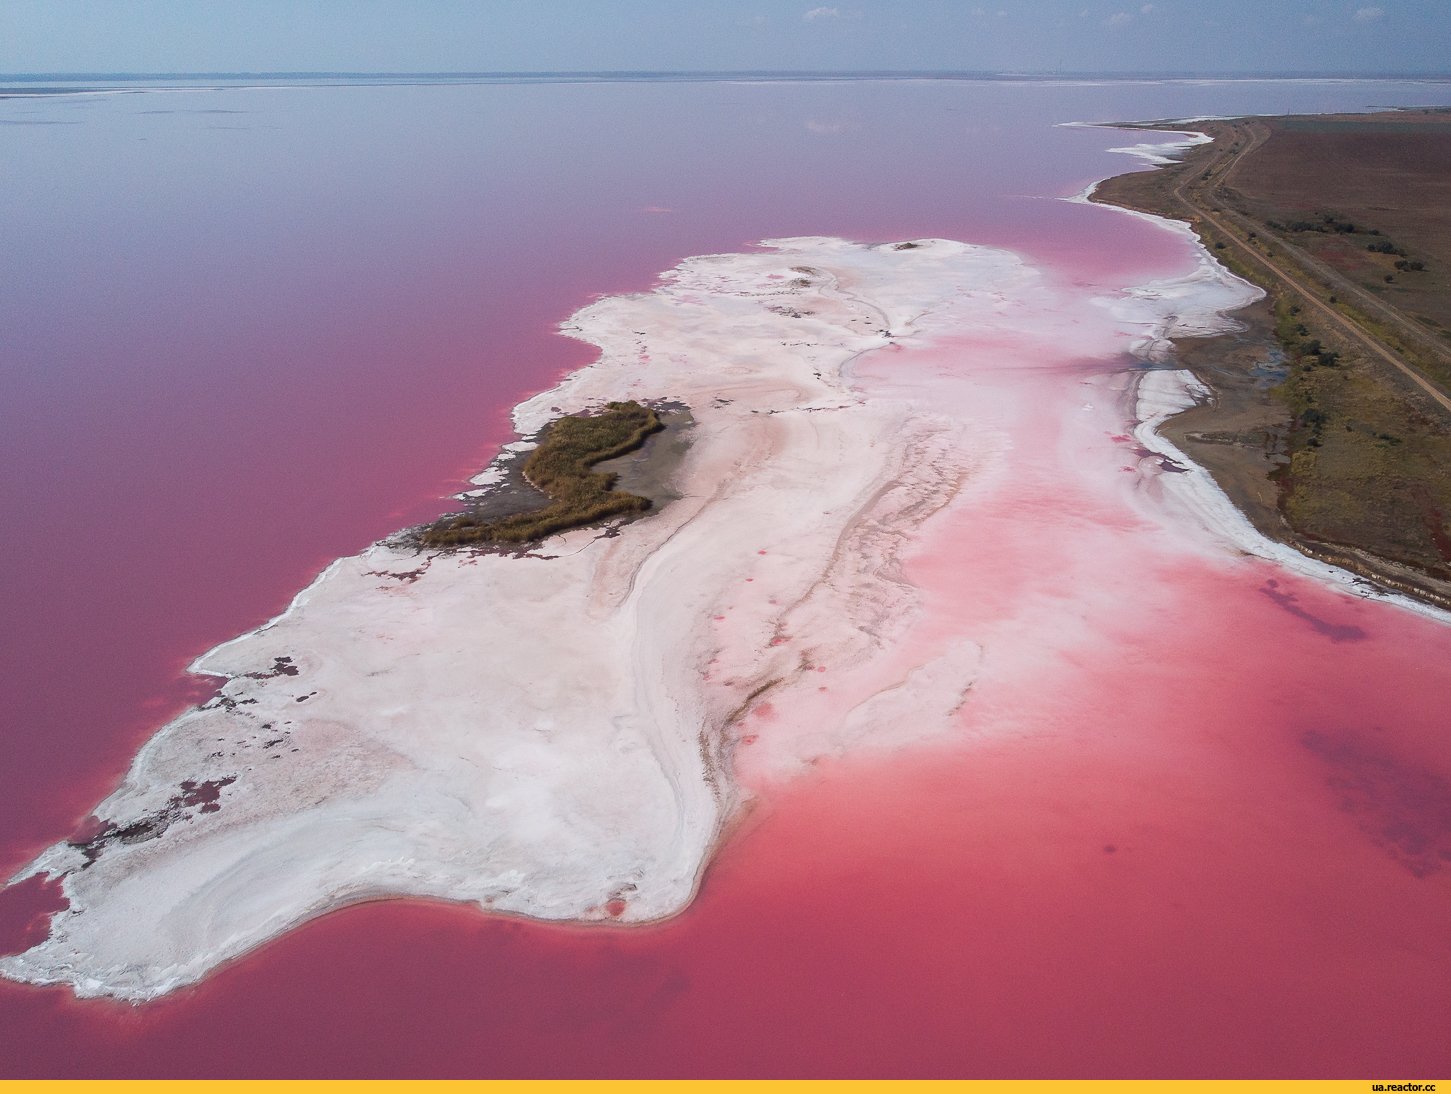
point(560, 468)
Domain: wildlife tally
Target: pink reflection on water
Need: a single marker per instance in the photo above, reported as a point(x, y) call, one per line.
point(219, 381)
point(25, 911)
point(1151, 870)
point(1196, 833)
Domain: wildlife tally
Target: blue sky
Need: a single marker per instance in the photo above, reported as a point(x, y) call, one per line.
point(1350, 36)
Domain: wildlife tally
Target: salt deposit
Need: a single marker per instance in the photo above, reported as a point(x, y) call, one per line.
point(904, 482)
point(551, 735)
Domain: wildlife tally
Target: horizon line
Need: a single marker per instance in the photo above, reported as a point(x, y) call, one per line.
point(885, 73)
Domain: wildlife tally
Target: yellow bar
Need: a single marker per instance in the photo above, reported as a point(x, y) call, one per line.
point(1386, 1085)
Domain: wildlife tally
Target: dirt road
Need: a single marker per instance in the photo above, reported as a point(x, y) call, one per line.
point(1202, 196)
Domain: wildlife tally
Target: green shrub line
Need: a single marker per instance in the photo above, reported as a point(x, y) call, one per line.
point(560, 469)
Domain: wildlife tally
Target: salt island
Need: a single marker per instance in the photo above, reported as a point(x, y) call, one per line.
point(567, 728)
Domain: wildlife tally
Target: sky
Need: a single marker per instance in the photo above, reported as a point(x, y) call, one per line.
point(1100, 36)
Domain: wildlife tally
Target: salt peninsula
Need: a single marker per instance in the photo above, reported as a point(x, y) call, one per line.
point(568, 732)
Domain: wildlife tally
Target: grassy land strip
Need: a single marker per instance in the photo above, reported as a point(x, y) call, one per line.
point(1362, 463)
point(560, 468)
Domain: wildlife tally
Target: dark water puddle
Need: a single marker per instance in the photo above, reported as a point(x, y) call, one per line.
point(1404, 809)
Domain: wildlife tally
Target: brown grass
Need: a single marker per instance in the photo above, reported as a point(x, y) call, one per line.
point(560, 469)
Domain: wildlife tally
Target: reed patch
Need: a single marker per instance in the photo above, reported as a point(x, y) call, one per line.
point(560, 468)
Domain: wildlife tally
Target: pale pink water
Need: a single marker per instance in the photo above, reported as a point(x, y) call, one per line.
point(1204, 832)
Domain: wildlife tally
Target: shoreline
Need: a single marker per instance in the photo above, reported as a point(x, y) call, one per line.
point(600, 794)
point(645, 782)
point(1239, 433)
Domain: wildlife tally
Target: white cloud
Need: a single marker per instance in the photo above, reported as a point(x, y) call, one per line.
point(1118, 19)
point(1368, 15)
point(1147, 9)
point(822, 13)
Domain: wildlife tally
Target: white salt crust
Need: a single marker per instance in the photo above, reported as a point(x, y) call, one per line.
point(536, 734)
point(553, 735)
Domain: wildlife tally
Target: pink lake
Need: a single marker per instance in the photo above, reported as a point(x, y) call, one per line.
point(249, 331)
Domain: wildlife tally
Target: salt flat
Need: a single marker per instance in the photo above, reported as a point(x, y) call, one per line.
point(567, 734)
point(548, 735)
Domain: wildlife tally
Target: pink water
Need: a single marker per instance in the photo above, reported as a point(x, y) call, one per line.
point(1212, 841)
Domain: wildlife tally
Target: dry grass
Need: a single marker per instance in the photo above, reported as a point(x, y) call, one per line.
point(560, 468)
point(1370, 464)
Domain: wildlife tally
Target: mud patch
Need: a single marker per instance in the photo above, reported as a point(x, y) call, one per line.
point(199, 797)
